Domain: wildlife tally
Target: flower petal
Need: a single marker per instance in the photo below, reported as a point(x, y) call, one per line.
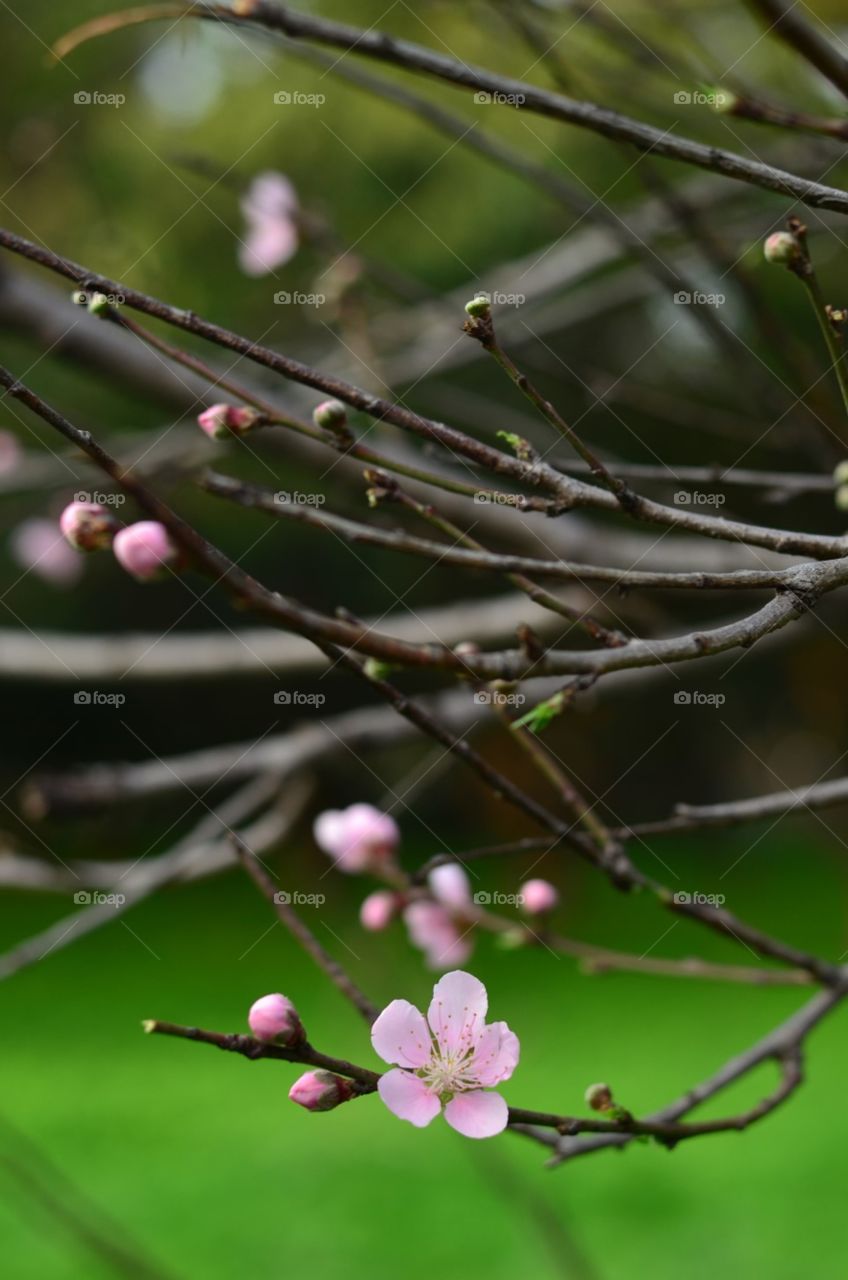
point(496, 1056)
point(408, 1097)
point(400, 1035)
point(457, 1011)
point(477, 1115)
point(450, 885)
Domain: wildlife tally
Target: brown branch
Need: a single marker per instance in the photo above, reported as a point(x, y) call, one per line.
point(525, 97)
point(790, 25)
point(302, 933)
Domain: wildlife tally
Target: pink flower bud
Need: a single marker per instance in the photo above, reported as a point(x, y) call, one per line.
point(88, 526)
point(450, 885)
point(782, 246)
point(145, 550)
point(222, 420)
point(320, 1091)
point(538, 896)
point(275, 1019)
point(330, 414)
point(378, 910)
point(358, 838)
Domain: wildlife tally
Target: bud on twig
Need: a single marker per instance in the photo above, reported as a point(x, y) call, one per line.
point(599, 1097)
point(87, 526)
point(331, 415)
point(145, 550)
point(782, 247)
point(321, 1091)
point(274, 1020)
point(221, 420)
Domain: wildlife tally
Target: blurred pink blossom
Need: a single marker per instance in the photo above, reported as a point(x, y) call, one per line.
point(434, 931)
point(538, 896)
point(270, 209)
point(359, 838)
point(37, 545)
point(378, 910)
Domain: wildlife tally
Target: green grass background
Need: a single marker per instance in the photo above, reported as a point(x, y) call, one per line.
point(201, 1157)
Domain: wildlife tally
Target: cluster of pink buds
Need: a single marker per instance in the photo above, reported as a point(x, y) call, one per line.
point(441, 916)
point(145, 549)
point(222, 420)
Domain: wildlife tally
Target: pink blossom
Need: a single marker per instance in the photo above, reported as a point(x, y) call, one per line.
point(38, 546)
point(538, 896)
point(451, 1058)
point(378, 910)
point(87, 526)
point(145, 549)
point(274, 1018)
point(434, 931)
point(221, 420)
point(358, 838)
point(320, 1090)
point(10, 452)
point(270, 209)
point(450, 885)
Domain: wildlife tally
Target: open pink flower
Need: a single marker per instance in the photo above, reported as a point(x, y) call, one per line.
point(270, 211)
point(358, 838)
point(452, 1058)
